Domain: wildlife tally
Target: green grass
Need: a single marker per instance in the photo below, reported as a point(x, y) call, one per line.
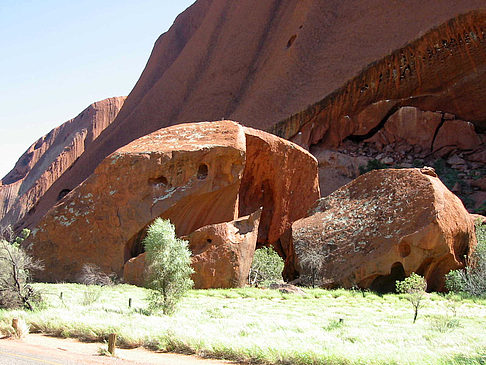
point(264, 326)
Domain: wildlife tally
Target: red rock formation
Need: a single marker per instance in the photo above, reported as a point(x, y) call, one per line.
point(383, 226)
point(442, 70)
point(192, 174)
point(189, 173)
point(221, 255)
point(409, 125)
point(279, 176)
point(457, 134)
point(261, 61)
point(49, 157)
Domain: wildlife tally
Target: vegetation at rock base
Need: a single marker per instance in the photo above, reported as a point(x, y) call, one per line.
point(415, 288)
point(91, 274)
point(168, 266)
point(263, 326)
point(266, 267)
point(15, 275)
point(311, 260)
point(373, 165)
point(471, 279)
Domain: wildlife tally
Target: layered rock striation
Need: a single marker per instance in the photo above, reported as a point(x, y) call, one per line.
point(51, 156)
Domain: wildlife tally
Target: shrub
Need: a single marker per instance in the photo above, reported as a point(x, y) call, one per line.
point(93, 275)
point(168, 266)
point(414, 287)
point(91, 295)
point(15, 274)
point(311, 261)
point(471, 279)
point(372, 165)
point(267, 267)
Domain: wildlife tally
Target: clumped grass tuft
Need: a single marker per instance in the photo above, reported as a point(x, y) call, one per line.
point(263, 326)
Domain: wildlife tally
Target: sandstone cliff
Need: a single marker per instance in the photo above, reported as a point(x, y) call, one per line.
point(260, 62)
point(49, 157)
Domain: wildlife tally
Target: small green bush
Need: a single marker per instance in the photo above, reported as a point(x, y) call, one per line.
point(414, 287)
point(168, 266)
point(372, 165)
point(471, 279)
point(267, 267)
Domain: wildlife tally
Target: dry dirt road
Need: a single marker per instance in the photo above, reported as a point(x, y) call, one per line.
point(37, 349)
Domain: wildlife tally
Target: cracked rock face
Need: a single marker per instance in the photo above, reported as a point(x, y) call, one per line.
point(383, 226)
point(193, 174)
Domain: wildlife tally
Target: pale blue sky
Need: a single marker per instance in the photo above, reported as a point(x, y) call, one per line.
point(59, 56)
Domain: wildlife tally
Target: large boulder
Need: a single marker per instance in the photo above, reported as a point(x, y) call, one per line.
point(221, 254)
point(279, 176)
point(189, 173)
point(193, 174)
point(381, 227)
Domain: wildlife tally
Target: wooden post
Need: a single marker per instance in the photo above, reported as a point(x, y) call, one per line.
point(15, 325)
point(60, 296)
point(129, 302)
point(112, 343)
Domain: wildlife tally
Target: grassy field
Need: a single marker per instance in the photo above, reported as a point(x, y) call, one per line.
point(264, 326)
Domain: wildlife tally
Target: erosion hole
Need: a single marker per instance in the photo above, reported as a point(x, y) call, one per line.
point(159, 180)
point(404, 249)
point(202, 171)
point(62, 194)
point(134, 246)
point(387, 283)
point(291, 41)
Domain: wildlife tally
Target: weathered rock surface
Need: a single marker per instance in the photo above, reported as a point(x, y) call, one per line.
point(188, 173)
point(336, 169)
point(218, 61)
point(282, 178)
point(49, 157)
point(409, 125)
point(221, 255)
point(383, 226)
point(457, 134)
point(439, 71)
point(193, 174)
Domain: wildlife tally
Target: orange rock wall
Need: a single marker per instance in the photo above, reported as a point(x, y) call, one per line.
point(49, 157)
point(442, 70)
point(260, 62)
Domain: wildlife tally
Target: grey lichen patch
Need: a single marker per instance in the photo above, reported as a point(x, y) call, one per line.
point(367, 215)
point(63, 220)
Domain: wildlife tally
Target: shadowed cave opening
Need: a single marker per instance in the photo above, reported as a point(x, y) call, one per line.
point(161, 180)
point(134, 245)
point(63, 193)
point(202, 171)
point(387, 283)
